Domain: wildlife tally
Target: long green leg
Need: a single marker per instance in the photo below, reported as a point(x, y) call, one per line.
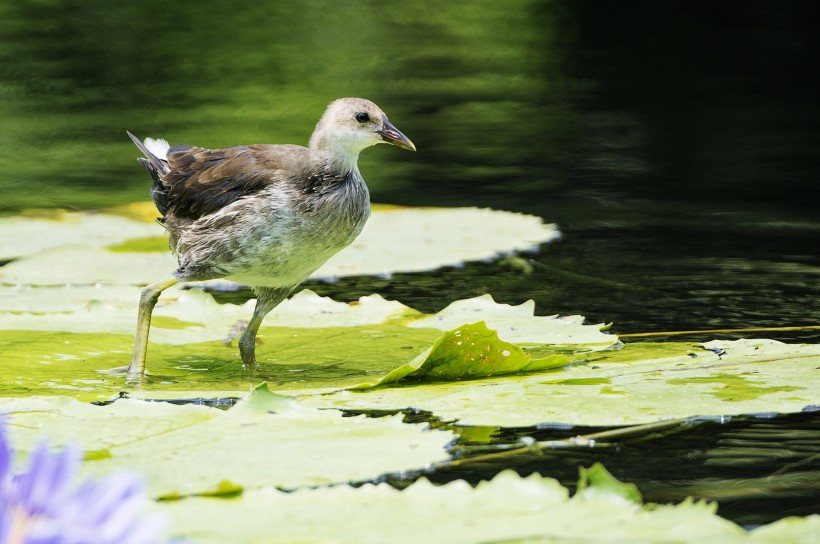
point(266, 300)
point(148, 300)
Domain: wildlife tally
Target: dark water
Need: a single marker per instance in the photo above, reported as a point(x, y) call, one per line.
point(758, 468)
point(675, 143)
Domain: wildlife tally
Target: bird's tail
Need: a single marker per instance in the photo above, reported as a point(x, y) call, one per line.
point(155, 162)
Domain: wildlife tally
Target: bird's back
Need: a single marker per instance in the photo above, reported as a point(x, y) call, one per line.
point(202, 181)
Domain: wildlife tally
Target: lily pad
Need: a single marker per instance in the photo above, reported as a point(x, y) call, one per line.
point(25, 299)
point(182, 316)
point(641, 383)
point(294, 360)
point(308, 344)
point(416, 239)
point(598, 479)
point(87, 265)
point(468, 352)
point(519, 324)
point(72, 250)
point(506, 509)
point(64, 420)
point(265, 440)
point(26, 235)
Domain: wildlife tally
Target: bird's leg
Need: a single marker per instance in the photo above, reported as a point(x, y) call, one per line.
point(148, 300)
point(267, 298)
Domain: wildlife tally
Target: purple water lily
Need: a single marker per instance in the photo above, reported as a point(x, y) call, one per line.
point(43, 505)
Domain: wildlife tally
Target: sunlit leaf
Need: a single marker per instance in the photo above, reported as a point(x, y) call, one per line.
point(467, 352)
point(265, 440)
point(519, 324)
point(307, 344)
point(415, 239)
point(26, 235)
point(506, 509)
point(72, 249)
point(195, 316)
point(597, 479)
point(87, 265)
point(25, 299)
point(96, 428)
point(641, 383)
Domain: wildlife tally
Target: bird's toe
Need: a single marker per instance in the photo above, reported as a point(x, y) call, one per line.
point(235, 332)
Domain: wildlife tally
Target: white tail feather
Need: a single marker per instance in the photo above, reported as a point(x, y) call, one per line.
point(158, 147)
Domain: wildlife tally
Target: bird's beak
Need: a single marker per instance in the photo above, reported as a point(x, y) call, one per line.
point(392, 135)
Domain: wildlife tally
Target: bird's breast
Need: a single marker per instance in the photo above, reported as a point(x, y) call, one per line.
point(296, 233)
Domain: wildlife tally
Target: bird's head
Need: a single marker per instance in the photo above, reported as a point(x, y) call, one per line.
point(352, 124)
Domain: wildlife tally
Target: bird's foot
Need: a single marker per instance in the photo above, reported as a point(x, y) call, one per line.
point(130, 377)
point(248, 358)
point(118, 371)
point(235, 332)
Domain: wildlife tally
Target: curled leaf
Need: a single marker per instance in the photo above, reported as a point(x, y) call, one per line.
point(468, 352)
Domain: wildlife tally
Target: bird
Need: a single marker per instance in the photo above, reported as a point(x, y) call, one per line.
point(264, 215)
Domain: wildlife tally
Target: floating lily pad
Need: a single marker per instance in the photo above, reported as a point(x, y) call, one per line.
point(87, 265)
point(294, 360)
point(25, 299)
point(26, 235)
point(598, 479)
point(641, 383)
point(506, 509)
point(468, 352)
point(519, 324)
point(308, 344)
point(71, 249)
point(182, 316)
point(416, 239)
point(98, 428)
point(265, 440)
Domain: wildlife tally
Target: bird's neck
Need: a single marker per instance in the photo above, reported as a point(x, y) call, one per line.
point(330, 171)
point(334, 160)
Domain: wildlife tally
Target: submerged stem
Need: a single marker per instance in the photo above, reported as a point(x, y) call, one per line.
point(591, 441)
point(715, 331)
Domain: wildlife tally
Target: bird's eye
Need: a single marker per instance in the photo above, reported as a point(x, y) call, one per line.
point(362, 117)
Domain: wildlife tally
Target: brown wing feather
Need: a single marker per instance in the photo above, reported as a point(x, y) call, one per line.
point(202, 181)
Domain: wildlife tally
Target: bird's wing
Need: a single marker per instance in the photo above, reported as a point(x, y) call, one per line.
point(203, 181)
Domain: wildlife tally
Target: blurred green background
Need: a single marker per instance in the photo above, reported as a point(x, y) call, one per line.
point(674, 143)
point(555, 107)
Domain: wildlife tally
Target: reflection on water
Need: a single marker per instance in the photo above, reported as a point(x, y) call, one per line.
point(673, 142)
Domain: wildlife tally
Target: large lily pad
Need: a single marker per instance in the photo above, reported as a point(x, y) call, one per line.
point(308, 344)
point(87, 265)
point(26, 235)
point(64, 420)
point(25, 299)
point(415, 239)
point(507, 509)
point(184, 317)
point(71, 247)
point(265, 440)
point(519, 324)
point(640, 384)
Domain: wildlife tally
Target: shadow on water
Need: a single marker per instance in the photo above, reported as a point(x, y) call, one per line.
point(673, 142)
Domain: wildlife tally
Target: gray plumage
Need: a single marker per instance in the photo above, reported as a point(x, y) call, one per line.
point(262, 215)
